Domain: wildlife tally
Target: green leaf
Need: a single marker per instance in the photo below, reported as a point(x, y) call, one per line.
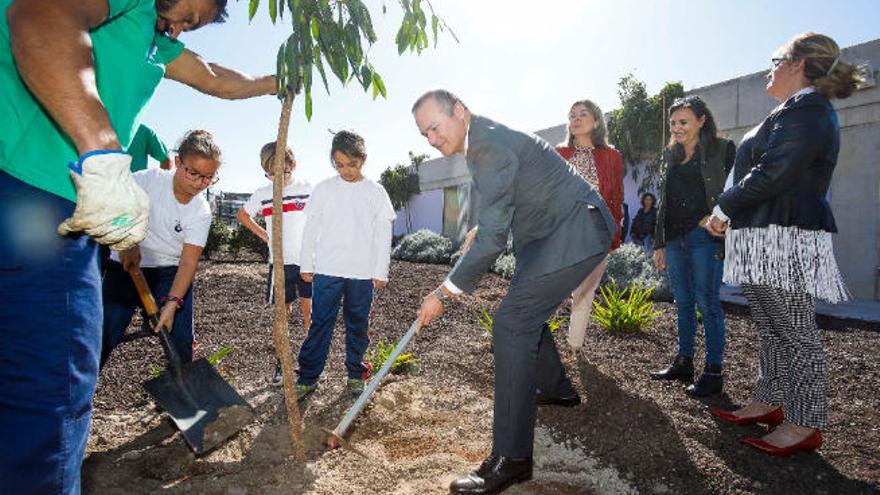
point(378, 85)
point(252, 8)
point(434, 25)
point(308, 105)
point(319, 63)
point(273, 10)
point(366, 76)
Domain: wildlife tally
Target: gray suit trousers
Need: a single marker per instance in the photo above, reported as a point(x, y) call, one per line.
point(525, 354)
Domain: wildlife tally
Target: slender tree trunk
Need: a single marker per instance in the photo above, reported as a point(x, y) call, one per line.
point(282, 338)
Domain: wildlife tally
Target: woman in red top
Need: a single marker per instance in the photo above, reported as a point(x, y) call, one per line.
point(587, 150)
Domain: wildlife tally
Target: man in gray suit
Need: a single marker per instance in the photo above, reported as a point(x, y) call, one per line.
point(561, 231)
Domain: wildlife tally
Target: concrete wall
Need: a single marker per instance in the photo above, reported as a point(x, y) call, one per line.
point(426, 211)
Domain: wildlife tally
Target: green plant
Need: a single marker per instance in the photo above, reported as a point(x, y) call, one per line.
point(556, 322)
point(624, 310)
point(340, 34)
point(382, 352)
point(213, 359)
point(218, 237)
point(423, 246)
point(485, 320)
point(638, 128)
point(402, 183)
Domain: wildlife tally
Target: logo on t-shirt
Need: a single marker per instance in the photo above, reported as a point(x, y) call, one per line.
point(177, 227)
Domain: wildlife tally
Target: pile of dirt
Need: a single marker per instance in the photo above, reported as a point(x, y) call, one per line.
point(630, 435)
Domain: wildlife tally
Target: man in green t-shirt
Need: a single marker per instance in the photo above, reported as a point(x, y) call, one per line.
point(74, 79)
point(144, 144)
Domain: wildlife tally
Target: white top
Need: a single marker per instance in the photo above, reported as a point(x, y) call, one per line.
point(348, 230)
point(172, 224)
point(294, 198)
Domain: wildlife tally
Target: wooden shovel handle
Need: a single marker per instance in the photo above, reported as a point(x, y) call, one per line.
point(146, 295)
point(143, 290)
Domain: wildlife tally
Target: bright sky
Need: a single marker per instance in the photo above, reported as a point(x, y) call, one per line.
point(519, 62)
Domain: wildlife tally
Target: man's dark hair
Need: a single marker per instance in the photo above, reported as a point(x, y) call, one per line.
point(446, 100)
point(222, 13)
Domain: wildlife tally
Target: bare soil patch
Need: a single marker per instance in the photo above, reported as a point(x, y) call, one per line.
point(630, 435)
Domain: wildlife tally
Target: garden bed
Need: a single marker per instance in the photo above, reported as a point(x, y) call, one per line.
point(630, 435)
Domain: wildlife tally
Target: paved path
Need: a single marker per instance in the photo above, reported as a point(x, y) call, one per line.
point(859, 309)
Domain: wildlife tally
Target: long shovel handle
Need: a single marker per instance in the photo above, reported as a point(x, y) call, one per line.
point(361, 401)
point(152, 310)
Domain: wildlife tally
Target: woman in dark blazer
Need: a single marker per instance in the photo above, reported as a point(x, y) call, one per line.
point(778, 236)
point(696, 163)
point(588, 152)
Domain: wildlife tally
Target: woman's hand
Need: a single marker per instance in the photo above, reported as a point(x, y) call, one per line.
point(714, 225)
point(660, 259)
point(307, 277)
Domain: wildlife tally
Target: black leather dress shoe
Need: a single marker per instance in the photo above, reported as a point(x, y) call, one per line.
point(565, 401)
point(682, 369)
point(710, 382)
point(494, 475)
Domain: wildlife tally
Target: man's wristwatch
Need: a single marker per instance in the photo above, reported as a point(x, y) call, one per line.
point(440, 295)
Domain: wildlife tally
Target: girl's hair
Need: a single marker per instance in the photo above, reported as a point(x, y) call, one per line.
point(649, 195)
point(599, 136)
point(823, 67)
point(199, 142)
point(709, 131)
point(350, 143)
point(267, 156)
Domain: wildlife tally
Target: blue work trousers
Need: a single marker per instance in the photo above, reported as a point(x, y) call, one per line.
point(50, 339)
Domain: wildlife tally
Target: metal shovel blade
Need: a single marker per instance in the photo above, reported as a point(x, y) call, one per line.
point(205, 408)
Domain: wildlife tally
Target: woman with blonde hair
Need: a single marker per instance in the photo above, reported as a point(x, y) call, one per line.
point(778, 226)
point(588, 152)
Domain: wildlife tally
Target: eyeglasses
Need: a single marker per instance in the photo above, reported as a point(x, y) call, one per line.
point(204, 179)
point(777, 61)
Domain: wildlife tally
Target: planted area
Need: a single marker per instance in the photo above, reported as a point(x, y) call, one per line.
point(630, 434)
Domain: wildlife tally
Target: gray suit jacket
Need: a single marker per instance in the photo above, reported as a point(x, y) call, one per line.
point(526, 188)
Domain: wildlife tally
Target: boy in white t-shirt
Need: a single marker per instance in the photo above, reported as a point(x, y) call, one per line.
point(180, 219)
point(346, 251)
point(295, 197)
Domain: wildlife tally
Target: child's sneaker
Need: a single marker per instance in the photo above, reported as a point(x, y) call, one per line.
point(276, 378)
point(355, 386)
point(303, 390)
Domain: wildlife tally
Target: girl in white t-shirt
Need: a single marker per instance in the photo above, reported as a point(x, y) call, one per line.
point(345, 253)
point(180, 219)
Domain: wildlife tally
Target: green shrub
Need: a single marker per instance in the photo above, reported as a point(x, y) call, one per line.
point(423, 246)
point(624, 310)
point(404, 362)
point(504, 265)
point(218, 237)
point(630, 264)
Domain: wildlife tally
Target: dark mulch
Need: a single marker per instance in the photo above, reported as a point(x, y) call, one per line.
point(655, 436)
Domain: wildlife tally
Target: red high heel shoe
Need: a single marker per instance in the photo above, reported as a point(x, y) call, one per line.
point(772, 418)
point(809, 444)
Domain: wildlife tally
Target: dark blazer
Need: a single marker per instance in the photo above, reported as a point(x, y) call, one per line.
point(716, 160)
point(527, 189)
point(784, 167)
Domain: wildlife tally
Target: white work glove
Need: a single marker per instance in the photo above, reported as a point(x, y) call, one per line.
point(110, 207)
